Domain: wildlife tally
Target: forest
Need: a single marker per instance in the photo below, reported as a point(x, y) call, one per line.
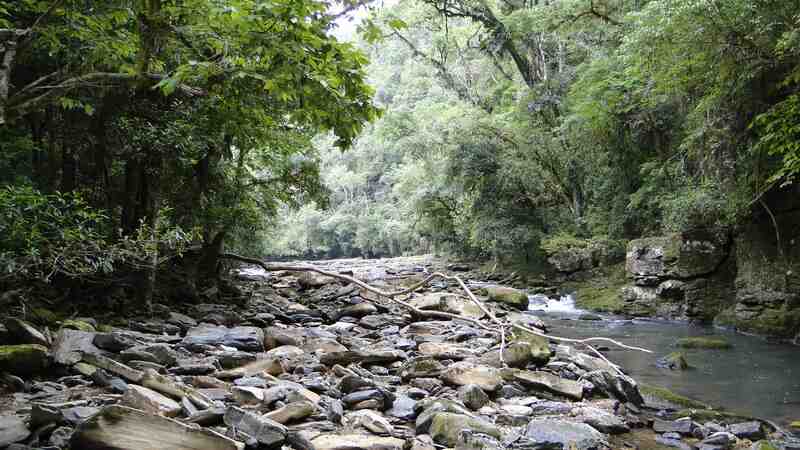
point(399, 224)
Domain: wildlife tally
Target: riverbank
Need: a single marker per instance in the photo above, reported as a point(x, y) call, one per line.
point(311, 362)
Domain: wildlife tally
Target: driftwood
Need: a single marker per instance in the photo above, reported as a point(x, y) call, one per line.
point(500, 327)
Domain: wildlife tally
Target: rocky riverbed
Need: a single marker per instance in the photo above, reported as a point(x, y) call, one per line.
point(306, 361)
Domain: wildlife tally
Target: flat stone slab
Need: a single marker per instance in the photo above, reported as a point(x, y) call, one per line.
point(562, 434)
point(122, 428)
point(356, 442)
point(549, 382)
point(249, 339)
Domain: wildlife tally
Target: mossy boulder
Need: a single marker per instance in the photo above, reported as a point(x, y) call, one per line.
point(708, 342)
point(29, 359)
point(78, 325)
point(446, 427)
point(601, 292)
point(674, 361)
point(539, 347)
point(656, 394)
point(509, 296)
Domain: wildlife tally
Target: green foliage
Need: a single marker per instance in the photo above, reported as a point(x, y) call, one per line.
point(41, 234)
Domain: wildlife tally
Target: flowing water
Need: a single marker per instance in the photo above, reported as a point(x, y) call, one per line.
point(753, 378)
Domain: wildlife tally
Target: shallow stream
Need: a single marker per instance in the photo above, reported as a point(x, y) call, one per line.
point(753, 378)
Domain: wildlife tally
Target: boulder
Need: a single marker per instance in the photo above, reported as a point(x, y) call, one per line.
point(446, 427)
point(156, 353)
point(463, 373)
point(600, 420)
point(473, 396)
point(260, 428)
point(673, 361)
point(23, 360)
point(675, 256)
point(69, 346)
point(445, 350)
point(509, 296)
point(421, 367)
point(369, 420)
point(250, 339)
point(539, 347)
point(150, 401)
point(448, 303)
point(564, 435)
point(292, 411)
point(12, 429)
point(122, 428)
point(516, 354)
point(356, 442)
point(547, 381)
point(621, 387)
point(432, 407)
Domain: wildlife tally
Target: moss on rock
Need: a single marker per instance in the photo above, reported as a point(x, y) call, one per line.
point(709, 342)
point(540, 348)
point(659, 393)
point(78, 325)
point(510, 296)
point(28, 359)
point(675, 361)
point(602, 292)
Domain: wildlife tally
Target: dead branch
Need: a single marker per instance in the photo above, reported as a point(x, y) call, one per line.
point(501, 326)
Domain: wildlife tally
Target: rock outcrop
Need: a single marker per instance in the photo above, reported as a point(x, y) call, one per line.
point(680, 276)
point(748, 279)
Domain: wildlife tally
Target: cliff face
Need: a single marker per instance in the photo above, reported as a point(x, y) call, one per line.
point(748, 279)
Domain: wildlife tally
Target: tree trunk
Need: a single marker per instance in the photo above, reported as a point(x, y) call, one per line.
point(151, 201)
point(69, 169)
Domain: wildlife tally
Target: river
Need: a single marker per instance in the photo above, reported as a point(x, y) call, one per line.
point(755, 377)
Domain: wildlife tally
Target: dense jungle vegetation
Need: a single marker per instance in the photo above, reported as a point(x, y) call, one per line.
point(138, 133)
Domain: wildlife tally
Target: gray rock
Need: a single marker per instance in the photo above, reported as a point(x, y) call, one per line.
point(12, 429)
point(548, 382)
point(362, 356)
point(262, 429)
point(472, 396)
point(601, 420)
point(446, 427)
point(292, 412)
point(682, 426)
point(621, 387)
point(403, 408)
point(421, 367)
point(369, 420)
point(463, 373)
point(249, 339)
point(356, 441)
point(150, 401)
point(60, 437)
point(79, 414)
point(673, 442)
point(563, 435)
point(122, 428)
point(432, 407)
point(747, 430)
point(158, 353)
point(70, 345)
point(114, 341)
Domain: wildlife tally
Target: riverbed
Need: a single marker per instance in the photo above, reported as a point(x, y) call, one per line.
point(755, 377)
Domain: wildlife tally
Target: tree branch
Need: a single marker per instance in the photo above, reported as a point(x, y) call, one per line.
point(391, 296)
